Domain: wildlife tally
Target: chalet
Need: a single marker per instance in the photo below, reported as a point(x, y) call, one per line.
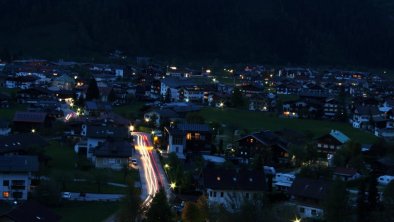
point(64, 82)
point(30, 121)
point(273, 148)
point(187, 138)
point(96, 135)
point(387, 133)
point(232, 187)
point(16, 174)
point(332, 108)
point(250, 91)
point(113, 154)
point(30, 211)
point(34, 95)
point(345, 174)
point(161, 116)
point(288, 88)
point(363, 116)
point(331, 142)
point(308, 195)
point(19, 144)
point(96, 108)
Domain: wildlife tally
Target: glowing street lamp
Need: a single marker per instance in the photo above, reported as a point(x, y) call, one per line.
point(166, 166)
point(297, 220)
point(173, 185)
point(131, 128)
point(33, 130)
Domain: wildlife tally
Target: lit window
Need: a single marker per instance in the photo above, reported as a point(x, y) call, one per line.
point(189, 136)
point(6, 194)
point(197, 136)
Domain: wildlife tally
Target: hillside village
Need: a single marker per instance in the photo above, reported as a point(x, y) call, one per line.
point(302, 142)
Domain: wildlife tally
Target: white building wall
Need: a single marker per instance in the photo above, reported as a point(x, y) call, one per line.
point(4, 188)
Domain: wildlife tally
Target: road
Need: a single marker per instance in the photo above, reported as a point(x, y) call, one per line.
point(152, 178)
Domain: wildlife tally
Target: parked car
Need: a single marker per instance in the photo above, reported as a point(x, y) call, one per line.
point(66, 195)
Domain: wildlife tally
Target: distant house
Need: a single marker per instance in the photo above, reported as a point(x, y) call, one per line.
point(5, 100)
point(97, 135)
point(64, 82)
point(308, 195)
point(5, 128)
point(161, 115)
point(96, 108)
point(364, 115)
point(269, 145)
point(187, 138)
point(30, 211)
point(332, 108)
point(16, 174)
point(34, 95)
point(331, 142)
point(345, 174)
point(30, 121)
point(230, 188)
point(288, 88)
point(113, 155)
point(22, 82)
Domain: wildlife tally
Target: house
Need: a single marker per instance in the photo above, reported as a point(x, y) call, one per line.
point(64, 82)
point(345, 174)
point(30, 121)
point(230, 188)
point(5, 100)
point(5, 128)
point(34, 95)
point(187, 138)
point(96, 108)
point(30, 211)
point(161, 116)
point(332, 108)
point(364, 115)
point(283, 181)
point(97, 135)
point(331, 142)
point(113, 154)
point(18, 144)
point(269, 145)
point(308, 195)
point(16, 174)
point(387, 133)
point(22, 82)
point(288, 88)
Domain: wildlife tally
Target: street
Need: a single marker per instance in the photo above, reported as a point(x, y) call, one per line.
point(152, 174)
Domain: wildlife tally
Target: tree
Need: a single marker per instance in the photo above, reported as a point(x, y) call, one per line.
point(237, 99)
point(220, 147)
point(159, 209)
point(112, 96)
point(93, 91)
point(361, 203)
point(48, 193)
point(388, 201)
point(168, 96)
point(129, 205)
point(335, 204)
point(202, 204)
point(100, 178)
point(191, 213)
point(373, 195)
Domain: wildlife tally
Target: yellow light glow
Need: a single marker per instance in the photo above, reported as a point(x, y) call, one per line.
point(131, 128)
point(173, 185)
point(33, 130)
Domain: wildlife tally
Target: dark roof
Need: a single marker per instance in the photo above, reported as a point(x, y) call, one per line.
point(309, 188)
point(32, 212)
point(267, 138)
point(20, 141)
point(33, 117)
point(18, 163)
point(193, 127)
point(233, 179)
point(106, 132)
point(114, 149)
point(367, 110)
point(345, 171)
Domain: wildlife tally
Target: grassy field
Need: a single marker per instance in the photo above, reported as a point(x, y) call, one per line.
point(254, 121)
point(86, 211)
point(8, 113)
point(129, 111)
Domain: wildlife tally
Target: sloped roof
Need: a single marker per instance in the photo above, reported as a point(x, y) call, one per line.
point(193, 127)
point(345, 171)
point(309, 188)
point(18, 163)
point(106, 131)
point(32, 117)
point(338, 135)
point(114, 149)
point(233, 179)
point(20, 141)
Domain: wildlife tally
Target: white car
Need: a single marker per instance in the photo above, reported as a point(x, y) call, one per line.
point(66, 195)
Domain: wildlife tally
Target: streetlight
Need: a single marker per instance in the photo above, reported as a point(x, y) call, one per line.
point(166, 166)
point(173, 185)
point(297, 220)
point(33, 130)
point(131, 128)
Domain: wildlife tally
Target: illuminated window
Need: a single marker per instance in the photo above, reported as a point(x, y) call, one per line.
point(189, 136)
point(6, 194)
point(197, 136)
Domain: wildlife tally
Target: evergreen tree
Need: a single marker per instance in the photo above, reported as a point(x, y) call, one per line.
point(237, 99)
point(112, 96)
point(129, 205)
point(191, 213)
point(373, 195)
point(168, 96)
point(92, 92)
point(335, 204)
point(361, 203)
point(159, 209)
